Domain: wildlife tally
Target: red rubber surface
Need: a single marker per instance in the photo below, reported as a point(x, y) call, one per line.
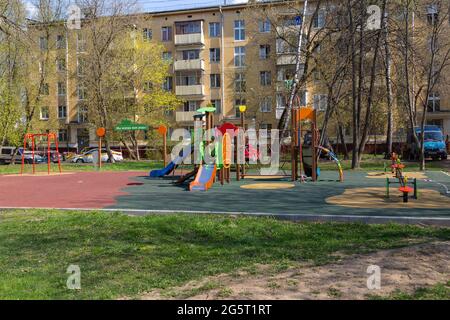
point(77, 190)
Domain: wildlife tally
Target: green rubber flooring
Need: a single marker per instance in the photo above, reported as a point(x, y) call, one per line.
point(304, 199)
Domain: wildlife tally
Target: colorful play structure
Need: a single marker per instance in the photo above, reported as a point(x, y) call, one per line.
point(397, 169)
point(304, 149)
point(32, 137)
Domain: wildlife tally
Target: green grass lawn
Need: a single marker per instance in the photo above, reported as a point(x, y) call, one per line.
point(123, 256)
point(439, 291)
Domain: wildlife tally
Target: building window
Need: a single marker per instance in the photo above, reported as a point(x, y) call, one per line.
point(432, 14)
point(303, 98)
point(265, 78)
point(193, 54)
point(190, 106)
point(81, 93)
point(264, 25)
point(265, 130)
point(319, 19)
point(168, 84)
point(215, 80)
point(434, 102)
point(61, 89)
point(237, 103)
point(317, 75)
point(239, 56)
point(80, 67)
point(62, 135)
point(44, 113)
point(62, 112)
point(320, 102)
point(60, 42)
point(189, 79)
point(189, 27)
point(82, 114)
point(43, 43)
point(41, 67)
point(61, 65)
point(284, 47)
point(167, 55)
point(147, 34)
point(239, 82)
point(45, 89)
point(81, 43)
point(264, 51)
point(166, 33)
point(239, 30)
point(214, 55)
point(214, 29)
point(217, 104)
point(266, 104)
point(148, 87)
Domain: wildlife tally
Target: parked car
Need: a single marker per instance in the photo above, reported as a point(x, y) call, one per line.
point(434, 144)
point(53, 157)
point(88, 156)
point(7, 153)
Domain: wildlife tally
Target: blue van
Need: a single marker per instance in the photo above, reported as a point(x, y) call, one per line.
point(434, 143)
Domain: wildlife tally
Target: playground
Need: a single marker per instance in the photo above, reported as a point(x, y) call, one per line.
point(222, 181)
point(362, 196)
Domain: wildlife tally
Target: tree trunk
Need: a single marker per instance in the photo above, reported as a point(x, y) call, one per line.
point(136, 146)
point(388, 67)
point(355, 123)
point(130, 152)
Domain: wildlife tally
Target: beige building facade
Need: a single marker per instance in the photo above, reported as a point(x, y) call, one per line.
point(220, 57)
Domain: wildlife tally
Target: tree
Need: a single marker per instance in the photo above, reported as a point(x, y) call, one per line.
point(12, 15)
point(123, 73)
point(425, 52)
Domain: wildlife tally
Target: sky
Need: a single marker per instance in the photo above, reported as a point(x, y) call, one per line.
point(159, 5)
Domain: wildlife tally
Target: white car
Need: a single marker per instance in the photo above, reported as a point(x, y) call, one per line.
point(88, 157)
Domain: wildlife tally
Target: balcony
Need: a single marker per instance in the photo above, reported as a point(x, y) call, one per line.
point(195, 64)
point(194, 90)
point(289, 29)
point(185, 116)
point(189, 39)
point(286, 59)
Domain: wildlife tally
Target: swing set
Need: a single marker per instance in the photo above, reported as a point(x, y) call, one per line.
point(32, 137)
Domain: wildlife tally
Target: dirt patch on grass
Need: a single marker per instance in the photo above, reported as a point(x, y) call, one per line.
point(405, 269)
point(375, 197)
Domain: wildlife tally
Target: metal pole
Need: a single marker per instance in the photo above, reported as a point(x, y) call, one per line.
point(99, 155)
point(57, 153)
point(48, 153)
point(165, 149)
point(243, 137)
point(23, 154)
point(32, 152)
point(314, 147)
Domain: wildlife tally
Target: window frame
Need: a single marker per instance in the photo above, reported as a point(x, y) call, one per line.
point(216, 31)
point(239, 30)
point(166, 30)
point(239, 57)
point(214, 79)
point(62, 107)
point(41, 113)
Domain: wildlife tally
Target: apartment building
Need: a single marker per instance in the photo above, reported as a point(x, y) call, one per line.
point(220, 57)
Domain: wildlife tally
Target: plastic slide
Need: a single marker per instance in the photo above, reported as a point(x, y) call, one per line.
point(171, 166)
point(205, 178)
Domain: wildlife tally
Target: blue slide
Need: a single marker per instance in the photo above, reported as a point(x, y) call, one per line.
point(171, 166)
point(205, 178)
